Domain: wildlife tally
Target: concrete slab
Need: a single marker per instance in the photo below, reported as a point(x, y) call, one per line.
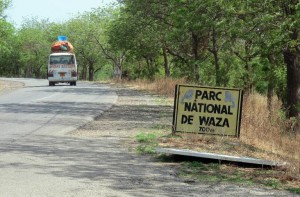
point(221, 157)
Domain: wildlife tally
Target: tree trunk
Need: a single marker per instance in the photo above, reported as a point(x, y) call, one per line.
point(28, 72)
point(118, 71)
point(166, 63)
point(216, 57)
point(271, 85)
point(38, 74)
point(84, 73)
point(248, 66)
point(91, 72)
point(291, 58)
point(196, 74)
point(270, 97)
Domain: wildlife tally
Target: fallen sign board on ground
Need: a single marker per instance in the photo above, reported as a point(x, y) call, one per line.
point(220, 157)
point(207, 110)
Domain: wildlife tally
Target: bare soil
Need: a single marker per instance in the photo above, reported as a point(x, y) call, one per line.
point(6, 86)
point(141, 112)
point(134, 112)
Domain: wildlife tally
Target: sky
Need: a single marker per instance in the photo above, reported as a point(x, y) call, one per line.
point(54, 10)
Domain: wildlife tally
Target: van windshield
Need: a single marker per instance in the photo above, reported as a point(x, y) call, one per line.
point(62, 59)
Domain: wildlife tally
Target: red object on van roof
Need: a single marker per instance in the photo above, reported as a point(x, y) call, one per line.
point(62, 46)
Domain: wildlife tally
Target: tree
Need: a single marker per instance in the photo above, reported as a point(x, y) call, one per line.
point(102, 19)
point(4, 4)
point(8, 49)
point(34, 47)
point(82, 31)
point(291, 53)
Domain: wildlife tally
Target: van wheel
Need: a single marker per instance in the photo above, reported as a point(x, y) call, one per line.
point(51, 84)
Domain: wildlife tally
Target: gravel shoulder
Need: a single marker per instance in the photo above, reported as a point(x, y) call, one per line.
point(136, 112)
point(6, 86)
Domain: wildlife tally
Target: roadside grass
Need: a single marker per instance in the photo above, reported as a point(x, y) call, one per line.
point(193, 169)
point(147, 143)
point(212, 172)
point(235, 174)
point(294, 190)
point(265, 134)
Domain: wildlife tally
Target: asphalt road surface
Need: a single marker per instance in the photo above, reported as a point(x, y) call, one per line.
point(39, 158)
point(40, 109)
point(33, 122)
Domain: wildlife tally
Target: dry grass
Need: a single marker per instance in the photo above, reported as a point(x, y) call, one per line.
point(264, 133)
point(9, 85)
point(160, 86)
point(270, 132)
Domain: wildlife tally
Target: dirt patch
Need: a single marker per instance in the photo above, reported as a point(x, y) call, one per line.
point(6, 86)
point(136, 112)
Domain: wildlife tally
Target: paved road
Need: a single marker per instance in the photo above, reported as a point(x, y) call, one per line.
point(35, 154)
point(40, 109)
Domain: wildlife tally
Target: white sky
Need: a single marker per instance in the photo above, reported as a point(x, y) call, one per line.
point(54, 10)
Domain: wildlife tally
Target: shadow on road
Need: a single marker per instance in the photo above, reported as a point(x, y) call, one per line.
point(102, 160)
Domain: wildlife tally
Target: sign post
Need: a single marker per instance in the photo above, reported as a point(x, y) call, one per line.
point(207, 110)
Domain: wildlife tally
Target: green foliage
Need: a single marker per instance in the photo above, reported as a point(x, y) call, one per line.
point(145, 149)
point(281, 88)
point(146, 137)
point(273, 183)
point(294, 190)
point(215, 172)
point(4, 4)
point(147, 143)
point(211, 172)
point(219, 43)
point(105, 73)
point(34, 48)
point(82, 31)
point(200, 37)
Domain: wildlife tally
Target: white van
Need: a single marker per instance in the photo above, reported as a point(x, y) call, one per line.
point(62, 68)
